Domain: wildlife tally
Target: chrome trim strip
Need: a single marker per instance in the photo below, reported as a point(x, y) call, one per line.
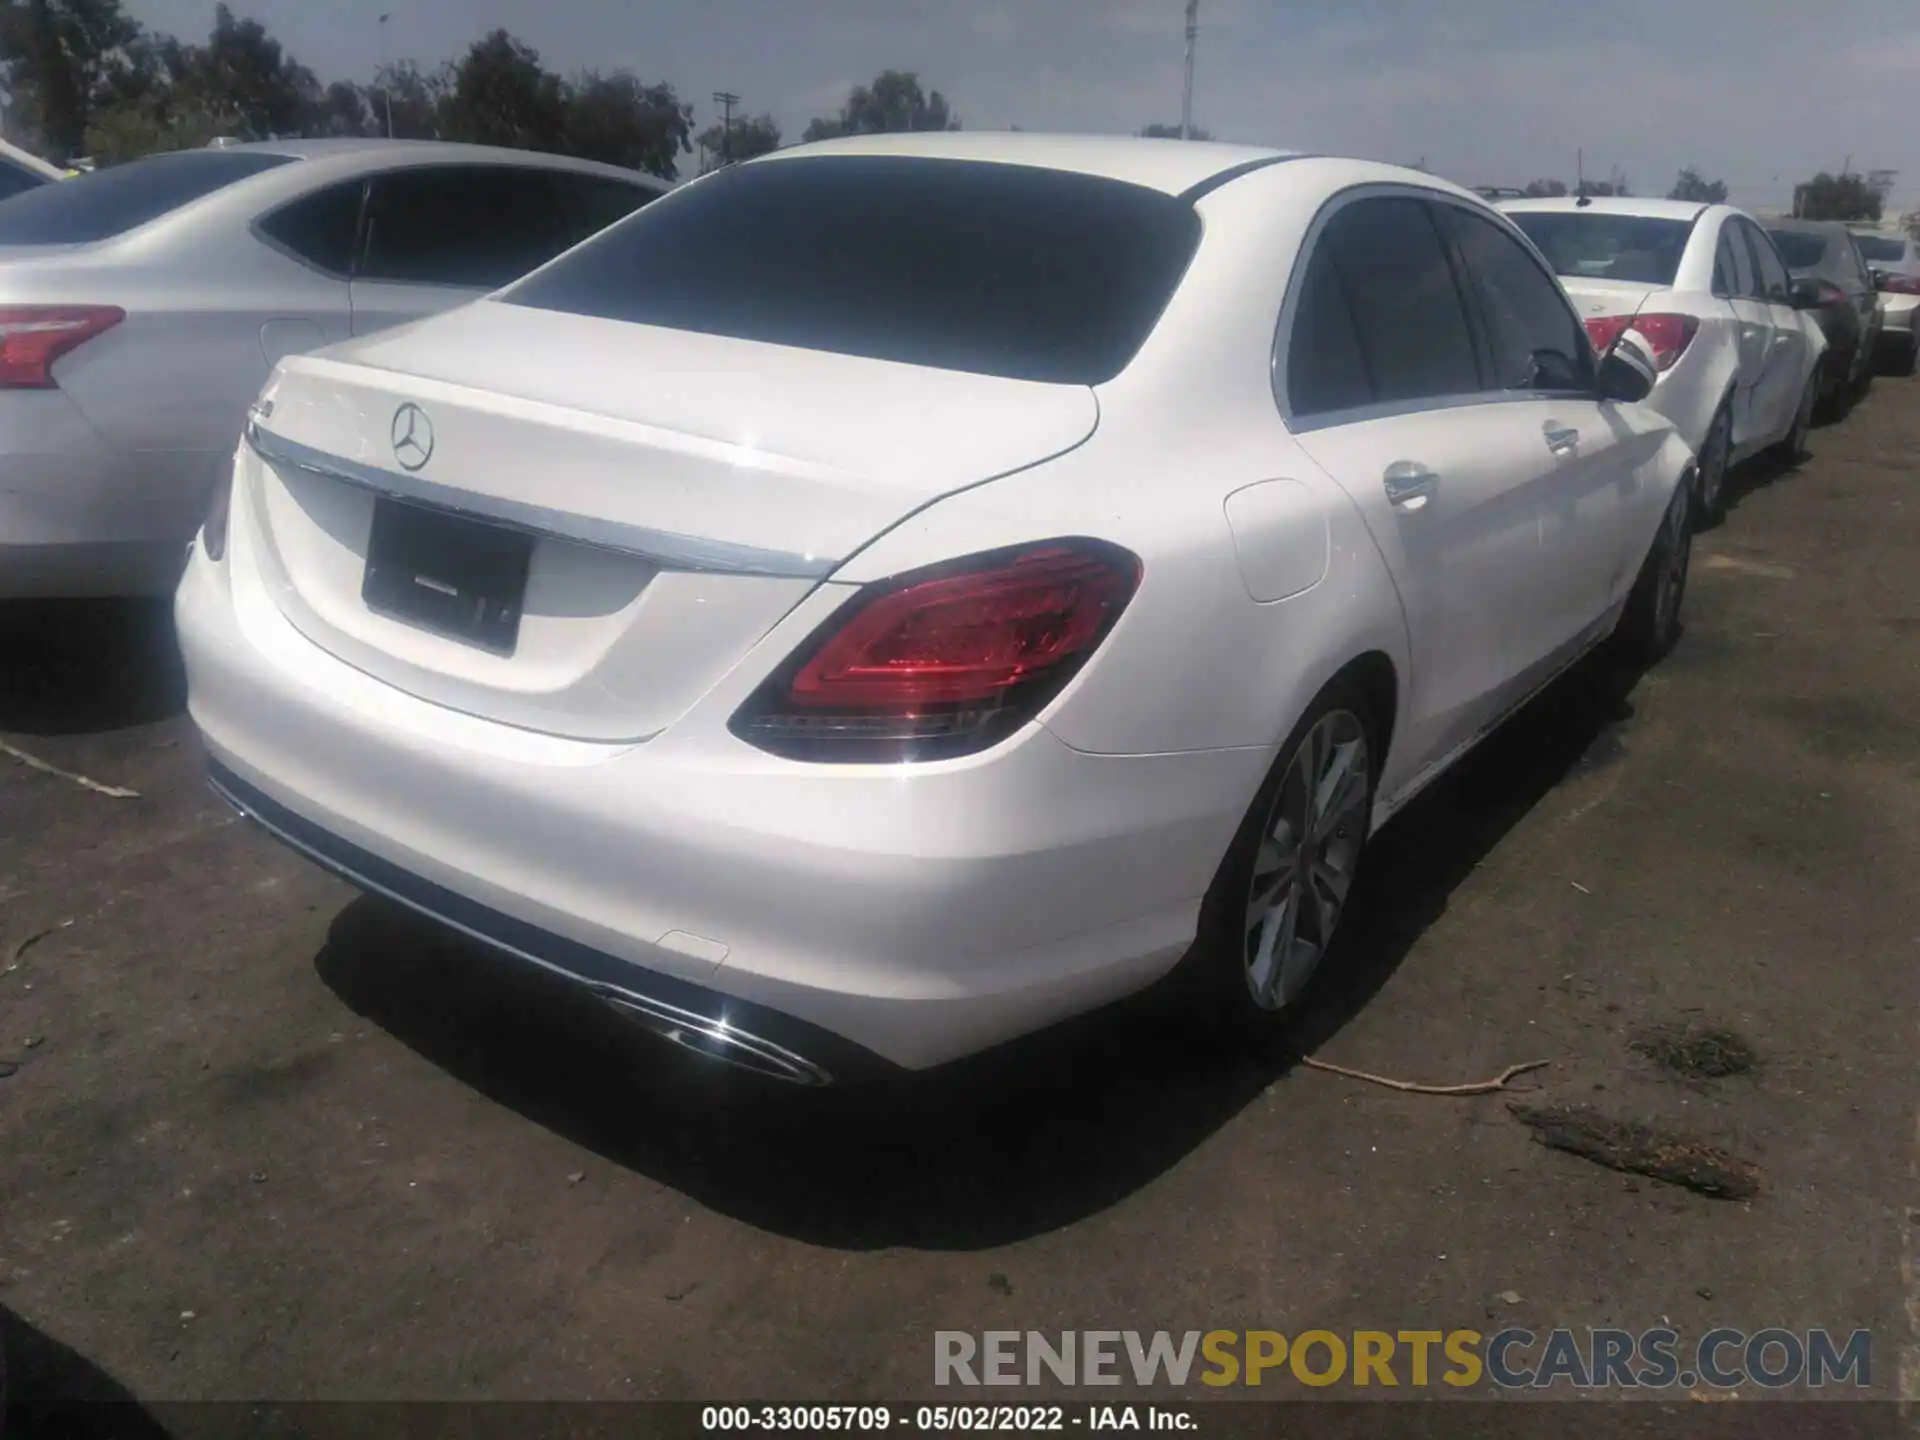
point(683, 1027)
point(661, 547)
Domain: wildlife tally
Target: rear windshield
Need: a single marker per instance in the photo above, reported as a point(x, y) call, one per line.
point(1880, 247)
point(111, 202)
point(1799, 249)
point(1590, 246)
point(1002, 270)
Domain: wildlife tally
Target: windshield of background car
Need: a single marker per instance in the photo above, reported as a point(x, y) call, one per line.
point(1587, 246)
point(105, 203)
point(1800, 249)
point(1879, 249)
point(1004, 270)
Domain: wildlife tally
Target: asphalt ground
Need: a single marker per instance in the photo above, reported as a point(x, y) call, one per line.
point(265, 1139)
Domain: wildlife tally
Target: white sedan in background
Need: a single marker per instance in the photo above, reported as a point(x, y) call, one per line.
point(898, 592)
point(1704, 285)
point(143, 306)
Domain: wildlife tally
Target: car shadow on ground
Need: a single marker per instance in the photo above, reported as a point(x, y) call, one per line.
point(50, 1392)
point(1028, 1138)
point(72, 667)
point(1754, 475)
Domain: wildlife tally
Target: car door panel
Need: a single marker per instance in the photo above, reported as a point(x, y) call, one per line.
point(1457, 501)
point(1386, 391)
point(1777, 393)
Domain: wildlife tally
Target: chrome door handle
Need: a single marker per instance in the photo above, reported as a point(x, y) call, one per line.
point(1409, 484)
point(1560, 439)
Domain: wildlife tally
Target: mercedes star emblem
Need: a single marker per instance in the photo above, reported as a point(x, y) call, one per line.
point(412, 436)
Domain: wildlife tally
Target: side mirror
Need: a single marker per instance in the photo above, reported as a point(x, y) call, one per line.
point(1879, 279)
point(1628, 369)
point(1804, 294)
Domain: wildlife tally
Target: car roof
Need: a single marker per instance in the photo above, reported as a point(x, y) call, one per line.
point(346, 155)
point(1647, 208)
point(1172, 166)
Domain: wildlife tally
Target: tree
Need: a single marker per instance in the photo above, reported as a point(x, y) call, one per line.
point(242, 82)
point(749, 138)
point(500, 95)
point(1690, 184)
point(893, 102)
point(56, 56)
point(1846, 196)
point(616, 119)
point(1615, 186)
point(1545, 189)
point(412, 96)
point(1158, 131)
point(343, 110)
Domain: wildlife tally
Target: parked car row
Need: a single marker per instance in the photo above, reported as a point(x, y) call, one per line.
point(142, 308)
point(894, 593)
point(1758, 328)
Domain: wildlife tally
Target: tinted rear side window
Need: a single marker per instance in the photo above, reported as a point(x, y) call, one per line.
point(1325, 367)
point(1879, 249)
point(995, 269)
point(1799, 249)
point(470, 225)
point(322, 228)
point(1406, 303)
point(111, 202)
point(1607, 247)
point(594, 202)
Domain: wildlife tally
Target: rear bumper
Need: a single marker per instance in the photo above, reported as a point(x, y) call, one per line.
point(693, 1016)
point(79, 518)
point(914, 914)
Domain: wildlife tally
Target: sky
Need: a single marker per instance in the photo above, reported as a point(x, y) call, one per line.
point(1756, 92)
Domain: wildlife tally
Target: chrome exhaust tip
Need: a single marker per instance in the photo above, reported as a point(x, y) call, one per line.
point(716, 1040)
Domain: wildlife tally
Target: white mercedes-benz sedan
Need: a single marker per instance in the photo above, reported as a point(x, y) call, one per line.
point(898, 592)
point(1741, 361)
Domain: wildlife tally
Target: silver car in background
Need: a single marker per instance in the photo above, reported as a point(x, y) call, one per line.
point(142, 307)
point(1894, 258)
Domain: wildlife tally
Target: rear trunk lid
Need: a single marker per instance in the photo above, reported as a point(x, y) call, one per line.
point(583, 524)
point(1594, 298)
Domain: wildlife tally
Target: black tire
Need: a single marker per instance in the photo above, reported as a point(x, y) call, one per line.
point(1710, 482)
point(1650, 623)
point(1222, 966)
point(1793, 449)
point(1837, 403)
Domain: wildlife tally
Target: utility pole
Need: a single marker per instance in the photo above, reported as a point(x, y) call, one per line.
point(386, 80)
point(1186, 96)
point(726, 100)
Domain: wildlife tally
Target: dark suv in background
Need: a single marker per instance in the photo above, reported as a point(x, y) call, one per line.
point(1828, 269)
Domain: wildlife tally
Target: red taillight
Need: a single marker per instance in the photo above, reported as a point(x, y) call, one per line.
point(1666, 335)
point(32, 337)
point(944, 661)
point(1830, 293)
point(1901, 284)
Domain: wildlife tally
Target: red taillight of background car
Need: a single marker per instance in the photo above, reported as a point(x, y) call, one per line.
point(32, 337)
point(943, 661)
point(1830, 293)
point(1666, 335)
point(1901, 284)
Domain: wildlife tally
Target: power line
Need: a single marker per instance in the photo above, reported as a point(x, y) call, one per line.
point(1186, 94)
point(726, 99)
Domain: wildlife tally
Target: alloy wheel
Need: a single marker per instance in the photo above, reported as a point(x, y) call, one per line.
point(1305, 864)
